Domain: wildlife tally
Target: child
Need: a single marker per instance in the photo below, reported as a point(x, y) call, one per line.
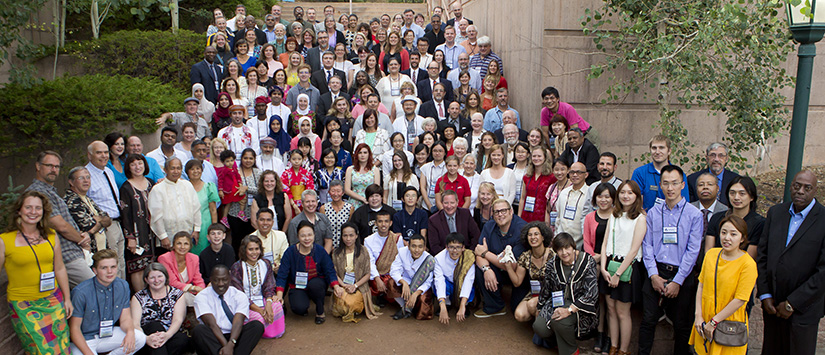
point(309, 163)
point(217, 253)
point(228, 181)
point(296, 178)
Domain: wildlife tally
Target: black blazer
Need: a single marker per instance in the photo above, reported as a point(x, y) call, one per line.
point(325, 103)
point(319, 80)
point(201, 73)
point(522, 136)
point(438, 229)
point(422, 74)
point(589, 155)
point(314, 58)
point(260, 37)
point(727, 177)
point(463, 124)
point(451, 22)
point(428, 109)
point(425, 91)
point(794, 273)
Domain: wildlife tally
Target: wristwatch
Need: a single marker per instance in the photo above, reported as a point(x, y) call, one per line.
point(570, 309)
point(233, 341)
point(788, 307)
point(485, 268)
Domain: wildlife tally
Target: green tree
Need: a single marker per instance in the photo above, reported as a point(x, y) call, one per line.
point(724, 55)
point(14, 16)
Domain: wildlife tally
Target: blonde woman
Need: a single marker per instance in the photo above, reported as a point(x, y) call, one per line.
point(295, 61)
point(483, 210)
point(217, 147)
point(499, 174)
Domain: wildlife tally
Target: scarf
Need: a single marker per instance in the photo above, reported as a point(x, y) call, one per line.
point(311, 135)
point(205, 107)
point(298, 109)
point(361, 267)
point(465, 262)
point(384, 260)
point(423, 273)
point(281, 137)
point(222, 113)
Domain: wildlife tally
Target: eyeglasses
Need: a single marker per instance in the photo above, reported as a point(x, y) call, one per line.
point(501, 211)
point(51, 166)
point(720, 155)
point(455, 247)
point(576, 172)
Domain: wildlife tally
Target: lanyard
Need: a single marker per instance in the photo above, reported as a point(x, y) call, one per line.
point(36, 259)
point(677, 221)
point(430, 180)
point(567, 203)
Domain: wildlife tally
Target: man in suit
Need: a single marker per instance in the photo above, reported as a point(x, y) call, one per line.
point(458, 12)
point(461, 124)
point(509, 117)
point(579, 149)
point(320, 78)
point(329, 97)
point(208, 73)
point(451, 219)
point(708, 190)
point(717, 158)
point(249, 24)
point(437, 107)
point(791, 266)
point(425, 87)
point(314, 54)
point(415, 73)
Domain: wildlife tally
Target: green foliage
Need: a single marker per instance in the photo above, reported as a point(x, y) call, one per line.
point(725, 55)
point(158, 54)
point(63, 113)
point(7, 200)
point(14, 16)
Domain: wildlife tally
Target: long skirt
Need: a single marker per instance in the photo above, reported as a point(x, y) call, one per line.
point(41, 324)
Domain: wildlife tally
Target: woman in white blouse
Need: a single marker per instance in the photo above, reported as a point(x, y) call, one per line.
point(501, 176)
point(469, 173)
point(389, 87)
point(375, 137)
point(400, 174)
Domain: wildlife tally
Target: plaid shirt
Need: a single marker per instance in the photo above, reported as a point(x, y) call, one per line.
point(71, 251)
point(482, 63)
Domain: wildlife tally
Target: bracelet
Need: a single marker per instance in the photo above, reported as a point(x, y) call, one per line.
point(484, 253)
point(713, 322)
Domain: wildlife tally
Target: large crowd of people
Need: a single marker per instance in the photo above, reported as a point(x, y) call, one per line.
point(366, 164)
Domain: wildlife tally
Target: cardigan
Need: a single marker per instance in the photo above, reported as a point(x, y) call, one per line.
point(293, 262)
point(192, 269)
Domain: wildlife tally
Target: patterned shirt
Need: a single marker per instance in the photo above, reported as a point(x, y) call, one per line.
point(70, 250)
point(160, 310)
point(482, 63)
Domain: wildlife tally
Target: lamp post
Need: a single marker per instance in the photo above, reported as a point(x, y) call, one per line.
point(807, 29)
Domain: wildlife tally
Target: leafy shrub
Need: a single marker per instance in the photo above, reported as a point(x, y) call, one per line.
point(63, 113)
point(157, 54)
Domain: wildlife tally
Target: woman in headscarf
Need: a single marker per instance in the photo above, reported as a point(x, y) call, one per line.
point(220, 118)
point(206, 108)
point(278, 133)
point(305, 130)
point(302, 110)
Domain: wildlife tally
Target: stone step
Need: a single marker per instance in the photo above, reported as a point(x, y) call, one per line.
point(364, 10)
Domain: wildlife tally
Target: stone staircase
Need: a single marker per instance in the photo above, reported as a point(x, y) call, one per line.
point(364, 10)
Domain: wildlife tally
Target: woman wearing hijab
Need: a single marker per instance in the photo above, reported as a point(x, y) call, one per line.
point(206, 108)
point(302, 110)
point(220, 118)
point(278, 133)
point(305, 130)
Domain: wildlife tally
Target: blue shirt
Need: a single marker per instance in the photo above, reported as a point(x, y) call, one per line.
point(344, 159)
point(120, 178)
point(493, 118)
point(496, 242)
point(104, 193)
point(93, 301)
point(648, 179)
point(688, 222)
point(409, 224)
point(796, 220)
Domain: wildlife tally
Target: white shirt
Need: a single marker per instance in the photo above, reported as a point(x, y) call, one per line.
point(174, 207)
point(432, 172)
point(444, 270)
point(270, 162)
point(188, 153)
point(374, 244)
point(475, 182)
point(574, 199)
point(281, 111)
point(207, 302)
point(404, 268)
point(400, 125)
point(235, 141)
point(100, 190)
point(161, 158)
point(505, 185)
point(261, 127)
point(386, 161)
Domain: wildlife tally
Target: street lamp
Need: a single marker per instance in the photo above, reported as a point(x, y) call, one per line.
point(807, 28)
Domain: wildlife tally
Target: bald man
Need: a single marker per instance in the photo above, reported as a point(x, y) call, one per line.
point(571, 204)
point(104, 192)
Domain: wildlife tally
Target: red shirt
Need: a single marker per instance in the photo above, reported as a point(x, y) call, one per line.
point(459, 185)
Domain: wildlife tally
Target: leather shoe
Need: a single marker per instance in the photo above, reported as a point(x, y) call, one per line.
point(399, 315)
point(320, 320)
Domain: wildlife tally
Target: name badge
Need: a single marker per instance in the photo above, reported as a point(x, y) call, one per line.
point(249, 199)
point(569, 212)
point(139, 250)
point(670, 235)
point(654, 187)
point(46, 281)
point(535, 287)
point(553, 216)
point(269, 257)
point(301, 279)
point(410, 138)
point(106, 328)
point(397, 204)
point(431, 191)
point(349, 278)
point(659, 200)
point(558, 299)
point(529, 204)
point(518, 193)
point(395, 91)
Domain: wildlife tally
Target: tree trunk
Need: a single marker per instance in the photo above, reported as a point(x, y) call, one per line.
point(174, 12)
point(95, 20)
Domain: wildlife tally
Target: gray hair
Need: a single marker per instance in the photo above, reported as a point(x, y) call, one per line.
point(577, 130)
point(461, 142)
point(716, 145)
point(74, 171)
point(168, 162)
point(336, 182)
point(309, 193)
point(268, 16)
point(468, 156)
point(426, 121)
point(473, 26)
point(509, 127)
point(279, 25)
point(155, 266)
point(483, 41)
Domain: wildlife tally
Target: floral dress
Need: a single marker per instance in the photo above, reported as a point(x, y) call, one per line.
point(296, 183)
point(336, 220)
point(360, 181)
point(243, 208)
point(135, 221)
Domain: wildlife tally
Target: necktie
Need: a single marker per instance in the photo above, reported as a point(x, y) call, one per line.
point(440, 110)
point(413, 72)
point(433, 88)
point(705, 213)
point(215, 76)
point(451, 223)
point(329, 75)
point(226, 310)
point(111, 188)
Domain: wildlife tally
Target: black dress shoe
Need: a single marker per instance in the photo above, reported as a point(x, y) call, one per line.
point(399, 315)
point(380, 302)
point(320, 320)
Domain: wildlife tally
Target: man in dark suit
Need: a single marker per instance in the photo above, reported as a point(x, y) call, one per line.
point(320, 78)
point(249, 23)
point(579, 149)
point(328, 98)
point(451, 219)
point(437, 107)
point(509, 117)
point(425, 87)
point(455, 119)
point(458, 12)
point(208, 73)
point(791, 266)
point(717, 158)
point(415, 73)
point(313, 57)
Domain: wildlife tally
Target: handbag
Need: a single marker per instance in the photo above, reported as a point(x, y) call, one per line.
point(728, 333)
point(613, 265)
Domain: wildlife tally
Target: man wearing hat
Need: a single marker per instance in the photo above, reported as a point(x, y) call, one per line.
point(267, 160)
point(410, 126)
point(238, 136)
point(260, 123)
point(190, 114)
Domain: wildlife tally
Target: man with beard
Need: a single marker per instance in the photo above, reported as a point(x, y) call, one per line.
point(579, 149)
point(509, 117)
point(606, 168)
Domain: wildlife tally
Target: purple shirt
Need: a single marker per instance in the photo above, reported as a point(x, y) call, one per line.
point(683, 253)
point(568, 112)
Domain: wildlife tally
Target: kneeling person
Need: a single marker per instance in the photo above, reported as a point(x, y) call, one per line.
point(453, 277)
point(413, 271)
point(352, 265)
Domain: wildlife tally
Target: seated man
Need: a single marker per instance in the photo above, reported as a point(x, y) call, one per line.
point(364, 217)
point(413, 271)
point(222, 311)
point(454, 286)
point(451, 219)
point(383, 247)
point(504, 230)
point(99, 303)
point(218, 253)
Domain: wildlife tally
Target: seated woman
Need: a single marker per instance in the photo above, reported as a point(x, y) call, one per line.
point(184, 267)
point(157, 312)
point(306, 271)
point(535, 237)
point(253, 275)
point(352, 265)
point(567, 308)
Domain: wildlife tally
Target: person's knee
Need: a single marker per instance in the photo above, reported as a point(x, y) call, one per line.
point(522, 315)
point(300, 309)
point(255, 328)
point(140, 340)
point(540, 327)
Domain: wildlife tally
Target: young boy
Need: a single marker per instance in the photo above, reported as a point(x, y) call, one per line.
point(410, 220)
point(413, 271)
point(218, 253)
point(383, 247)
point(451, 287)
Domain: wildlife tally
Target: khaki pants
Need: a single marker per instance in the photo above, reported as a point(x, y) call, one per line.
point(116, 242)
point(78, 271)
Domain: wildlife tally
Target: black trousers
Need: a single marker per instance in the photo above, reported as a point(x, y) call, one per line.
point(299, 299)
point(177, 344)
point(239, 229)
point(788, 336)
point(680, 310)
point(207, 344)
point(493, 301)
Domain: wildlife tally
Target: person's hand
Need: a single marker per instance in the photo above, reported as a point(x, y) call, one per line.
point(708, 330)
point(86, 241)
point(163, 118)
point(782, 312)
point(672, 290)
point(128, 342)
point(481, 247)
point(152, 340)
point(67, 304)
point(767, 305)
point(196, 235)
point(227, 349)
point(379, 285)
point(131, 244)
point(166, 243)
point(444, 317)
point(560, 313)
point(339, 291)
point(510, 266)
point(220, 194)
point(459, 316)
point(278, 298)
point(698, 324)
point(411, 300)
point(605, 274)
point(658, 283)
point(613, 281)
point(490, 280)
point(268, 313)
point(405, 290)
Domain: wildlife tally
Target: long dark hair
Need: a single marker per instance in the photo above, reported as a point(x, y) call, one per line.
point(341, 247)
point(749, 186)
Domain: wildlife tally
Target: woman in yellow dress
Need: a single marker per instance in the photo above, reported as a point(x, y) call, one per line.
point(736, 270)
